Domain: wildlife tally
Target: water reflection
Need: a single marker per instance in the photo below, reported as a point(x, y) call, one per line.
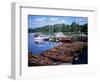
point(38, 46)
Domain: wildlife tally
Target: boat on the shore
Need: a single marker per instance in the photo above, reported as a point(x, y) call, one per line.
point(39, 60)
point(64, 53)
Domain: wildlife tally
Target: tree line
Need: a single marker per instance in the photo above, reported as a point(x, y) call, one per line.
point(74, 27)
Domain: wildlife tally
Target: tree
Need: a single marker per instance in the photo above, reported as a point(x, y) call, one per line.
point(74, 27)
point(84, 28)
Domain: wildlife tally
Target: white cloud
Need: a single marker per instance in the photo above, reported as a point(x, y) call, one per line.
point(40, 19)
point(81, 19)
point(58, 22)
point(53, 19)
point(63, 21)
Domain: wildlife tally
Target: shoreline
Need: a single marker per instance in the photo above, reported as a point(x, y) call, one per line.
point(64, 53)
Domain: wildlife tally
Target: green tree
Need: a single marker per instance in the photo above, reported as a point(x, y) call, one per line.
point(73, 27)
point(84, 28)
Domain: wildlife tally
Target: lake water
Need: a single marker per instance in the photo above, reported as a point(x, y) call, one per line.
point(36, 47)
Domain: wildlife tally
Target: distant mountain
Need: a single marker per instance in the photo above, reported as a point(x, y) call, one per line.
point(60, 28)
point(51, 28)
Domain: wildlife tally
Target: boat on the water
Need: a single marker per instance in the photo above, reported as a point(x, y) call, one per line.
point(41, 37)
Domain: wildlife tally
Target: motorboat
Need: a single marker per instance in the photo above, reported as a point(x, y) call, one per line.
point(41, 37)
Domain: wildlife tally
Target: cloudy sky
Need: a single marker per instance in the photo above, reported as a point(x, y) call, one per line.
point(35, 21)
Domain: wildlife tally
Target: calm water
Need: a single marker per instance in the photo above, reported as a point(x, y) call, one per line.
point(36, 47)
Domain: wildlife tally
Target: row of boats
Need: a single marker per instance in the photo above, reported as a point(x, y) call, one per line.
point(64, 53)
point(57, 37)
